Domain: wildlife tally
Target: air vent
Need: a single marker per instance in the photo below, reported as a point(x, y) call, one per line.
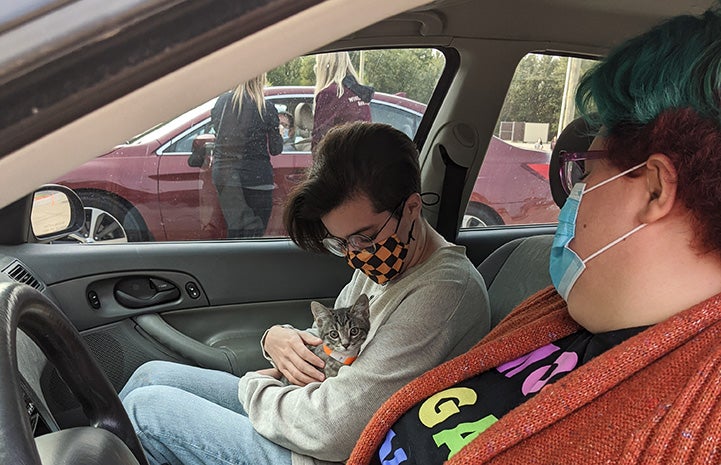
point(19, 273)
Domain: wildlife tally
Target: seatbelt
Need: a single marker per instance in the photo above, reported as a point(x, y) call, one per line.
point(451, 193)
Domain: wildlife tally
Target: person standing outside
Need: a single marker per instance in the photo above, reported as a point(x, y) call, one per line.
point(339, 97)
point(246, 128)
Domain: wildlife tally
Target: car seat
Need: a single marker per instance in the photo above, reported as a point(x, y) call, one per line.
point(519, 268)
point(303, 126)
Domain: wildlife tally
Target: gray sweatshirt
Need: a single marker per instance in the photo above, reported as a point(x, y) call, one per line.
point(430, 314)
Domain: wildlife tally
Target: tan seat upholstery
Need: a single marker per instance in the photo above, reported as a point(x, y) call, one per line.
point(303, 126)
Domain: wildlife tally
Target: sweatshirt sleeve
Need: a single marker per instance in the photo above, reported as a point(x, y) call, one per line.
point(324, 420)
point(275, 140)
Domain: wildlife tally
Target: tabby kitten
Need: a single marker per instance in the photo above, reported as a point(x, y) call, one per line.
point(343, 331)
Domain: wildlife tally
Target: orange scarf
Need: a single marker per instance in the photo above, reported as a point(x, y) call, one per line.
point(655, 398)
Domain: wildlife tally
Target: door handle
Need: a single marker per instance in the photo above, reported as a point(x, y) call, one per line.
point(142, 292)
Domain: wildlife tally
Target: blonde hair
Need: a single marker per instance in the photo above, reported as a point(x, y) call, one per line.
point(332, 68)
point(254, 88)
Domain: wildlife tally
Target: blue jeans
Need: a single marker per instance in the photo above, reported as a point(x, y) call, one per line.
point(185, 415)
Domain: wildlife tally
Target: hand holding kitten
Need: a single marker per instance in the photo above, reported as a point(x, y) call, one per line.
point(287, 348)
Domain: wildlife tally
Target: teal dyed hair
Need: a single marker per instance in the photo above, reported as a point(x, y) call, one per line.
point(677, 64)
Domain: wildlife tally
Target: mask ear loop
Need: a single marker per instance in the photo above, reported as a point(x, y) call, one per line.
point(625, 236)
point(434, 199)
point(410, 233)
point(603, 249)
point(613, 178)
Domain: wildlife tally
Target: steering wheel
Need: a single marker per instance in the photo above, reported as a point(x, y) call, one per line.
point(110, 439)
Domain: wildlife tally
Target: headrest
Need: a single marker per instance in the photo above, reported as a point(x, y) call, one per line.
point(304, 116)
point(576, 137)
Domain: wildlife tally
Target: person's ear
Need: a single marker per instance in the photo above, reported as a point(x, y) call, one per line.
point(413, 206)
point(661, 181)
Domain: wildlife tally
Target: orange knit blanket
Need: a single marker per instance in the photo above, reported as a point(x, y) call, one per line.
point(652, 399)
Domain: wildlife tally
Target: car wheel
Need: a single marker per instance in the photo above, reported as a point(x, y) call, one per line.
point(478, 215)
point(108, 220)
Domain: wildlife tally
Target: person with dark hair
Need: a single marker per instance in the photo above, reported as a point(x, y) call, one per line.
point(619, 361)
point(428, 303)
point(287, 131)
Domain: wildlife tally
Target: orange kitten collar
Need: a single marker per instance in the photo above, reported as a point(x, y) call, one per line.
point(334, 354)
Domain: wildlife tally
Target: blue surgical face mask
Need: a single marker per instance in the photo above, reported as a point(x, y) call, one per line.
point(565, 265)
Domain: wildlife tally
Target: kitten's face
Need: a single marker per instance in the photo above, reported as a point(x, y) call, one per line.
point(343, 329)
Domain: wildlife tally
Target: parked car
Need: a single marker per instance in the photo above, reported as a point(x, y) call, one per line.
point(144, 189)
point(511, 188)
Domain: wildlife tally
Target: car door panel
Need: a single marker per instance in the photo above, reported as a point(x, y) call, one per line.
point(244, 287)
point(109, 297)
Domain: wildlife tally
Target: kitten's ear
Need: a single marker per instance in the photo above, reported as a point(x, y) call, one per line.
point(362, 306)
point(320, 312)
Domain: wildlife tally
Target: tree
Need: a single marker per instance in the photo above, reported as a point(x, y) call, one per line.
point(536, 91)
point(296, 72)
point(410, 72)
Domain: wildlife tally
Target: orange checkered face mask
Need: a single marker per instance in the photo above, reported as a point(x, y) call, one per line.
point(382, 262)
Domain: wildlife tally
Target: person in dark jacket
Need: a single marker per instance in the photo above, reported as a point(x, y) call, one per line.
point(246, 128)
point(339, 97)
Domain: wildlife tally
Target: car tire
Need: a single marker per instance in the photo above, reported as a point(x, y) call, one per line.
point(109, 220)
point(478, 215)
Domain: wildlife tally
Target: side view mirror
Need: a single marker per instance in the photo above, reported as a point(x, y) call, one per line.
point(56, 212)
point(202, 149)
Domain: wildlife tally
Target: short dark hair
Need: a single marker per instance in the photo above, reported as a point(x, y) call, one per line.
point(361, 158)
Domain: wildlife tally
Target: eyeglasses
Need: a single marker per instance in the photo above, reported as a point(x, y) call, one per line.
point(572, 166)
point(356, 242)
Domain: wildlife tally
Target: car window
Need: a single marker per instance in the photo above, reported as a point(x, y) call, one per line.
point(397, 116)
point(145, 189)
point(183, 144)
point(512, 187)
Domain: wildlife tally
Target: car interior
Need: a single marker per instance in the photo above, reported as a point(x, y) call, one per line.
point(79, 77)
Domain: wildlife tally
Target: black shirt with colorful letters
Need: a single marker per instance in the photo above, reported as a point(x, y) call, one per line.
point(437, 428)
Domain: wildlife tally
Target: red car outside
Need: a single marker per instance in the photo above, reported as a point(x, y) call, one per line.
point(511, 188)
point(145, 190)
